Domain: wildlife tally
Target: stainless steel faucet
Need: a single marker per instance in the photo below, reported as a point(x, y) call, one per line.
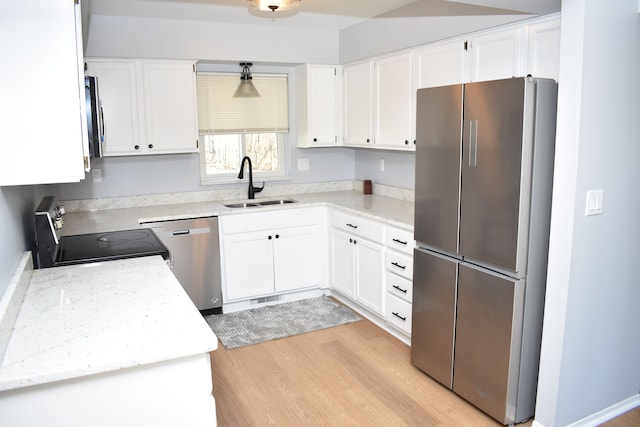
point(252, 190)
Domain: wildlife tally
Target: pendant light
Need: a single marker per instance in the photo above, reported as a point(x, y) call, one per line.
point(246, 89)
point(274, 5)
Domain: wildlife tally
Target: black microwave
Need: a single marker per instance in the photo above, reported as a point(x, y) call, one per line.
point(95, 118)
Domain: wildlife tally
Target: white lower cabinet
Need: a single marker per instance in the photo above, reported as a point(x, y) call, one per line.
point(268, 253)
point(357, 259)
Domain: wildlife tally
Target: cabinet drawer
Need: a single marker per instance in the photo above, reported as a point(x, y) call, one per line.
point(399, 286)
point(357, 225)
point(257, 221)
point(399, 314)
point(399, 263)
point(400, 240)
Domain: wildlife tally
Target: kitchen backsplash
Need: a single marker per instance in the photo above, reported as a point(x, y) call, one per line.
point(237, 193)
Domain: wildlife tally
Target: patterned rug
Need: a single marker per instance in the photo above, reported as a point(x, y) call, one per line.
point(268, 323)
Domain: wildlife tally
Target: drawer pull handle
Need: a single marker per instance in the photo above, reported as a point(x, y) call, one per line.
point(400, 241)
point(351, 225)
point(404, 291)
point(398, 265)
point(404, 319)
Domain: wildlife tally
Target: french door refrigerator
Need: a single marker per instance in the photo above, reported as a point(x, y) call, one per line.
point(484, 169)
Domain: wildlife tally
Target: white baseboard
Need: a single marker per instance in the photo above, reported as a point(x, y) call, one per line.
point(604, 415)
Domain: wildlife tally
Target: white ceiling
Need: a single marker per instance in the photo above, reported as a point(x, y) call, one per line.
point(318, 14)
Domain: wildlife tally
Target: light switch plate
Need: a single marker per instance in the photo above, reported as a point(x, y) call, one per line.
point(595, 200)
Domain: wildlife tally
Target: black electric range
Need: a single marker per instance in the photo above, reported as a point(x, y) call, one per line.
point(52, 251)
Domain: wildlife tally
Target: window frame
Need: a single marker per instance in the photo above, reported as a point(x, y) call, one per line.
point(285, 156)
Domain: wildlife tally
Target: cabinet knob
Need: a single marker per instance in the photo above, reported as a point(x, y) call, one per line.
point(368, 140)
point(414, 142)
point(150, 146)
point(269, 237)
point(355, 242)
point(277, 236)
point(315, 139)
point(406, 142)
point(137, 147)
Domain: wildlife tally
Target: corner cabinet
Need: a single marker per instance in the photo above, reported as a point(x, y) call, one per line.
point(268, 253)
point(394, 102)
point(149, 106)
point(318, 88)
point(42, 108)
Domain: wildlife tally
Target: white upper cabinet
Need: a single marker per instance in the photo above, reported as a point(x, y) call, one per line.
point(42, 101)
point(496, 55)
point(318, 90)
point(358, 102)
point(543, 49)
point(394, 102)
point(149, 106)
point(440, 64)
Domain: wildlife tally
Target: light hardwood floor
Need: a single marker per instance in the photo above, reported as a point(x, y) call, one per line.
point(351, 375)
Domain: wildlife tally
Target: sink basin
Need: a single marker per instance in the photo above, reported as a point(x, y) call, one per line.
point(241, 205)
point(258, 204)
point(276, 202)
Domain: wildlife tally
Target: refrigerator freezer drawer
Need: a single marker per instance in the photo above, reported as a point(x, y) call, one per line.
point(399, 314)
point(399, 286)
point(488, 341)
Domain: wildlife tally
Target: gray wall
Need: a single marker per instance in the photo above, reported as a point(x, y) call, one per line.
point(16, 228)
point(399, 167)
point(590, 348)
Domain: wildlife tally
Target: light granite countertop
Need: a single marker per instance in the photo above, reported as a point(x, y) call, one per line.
point(392, 211)
point(95, 318)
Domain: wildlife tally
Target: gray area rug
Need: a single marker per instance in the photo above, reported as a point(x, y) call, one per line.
point(268, 323)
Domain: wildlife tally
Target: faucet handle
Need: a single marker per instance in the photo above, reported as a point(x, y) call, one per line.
point(258, 189)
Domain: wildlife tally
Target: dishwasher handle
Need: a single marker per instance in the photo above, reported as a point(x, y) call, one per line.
point(181, 232)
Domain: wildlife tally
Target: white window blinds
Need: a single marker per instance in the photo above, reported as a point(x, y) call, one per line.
point(220, 112)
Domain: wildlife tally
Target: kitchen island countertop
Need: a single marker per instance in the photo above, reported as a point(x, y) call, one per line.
point(89, 319)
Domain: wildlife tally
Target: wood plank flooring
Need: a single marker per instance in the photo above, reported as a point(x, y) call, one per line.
point(351, 375)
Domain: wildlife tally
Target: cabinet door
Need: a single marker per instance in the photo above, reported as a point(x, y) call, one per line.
point(342, 263)
point(322, 106)
point(248, 265)
point(41, 93)
point(295, 259)
point(394, 100)
point(357, 80)
point(543, 49)
point(117, 85)
point(496, 55)
point(440, 65)
point(170, 107)
point(370, 289)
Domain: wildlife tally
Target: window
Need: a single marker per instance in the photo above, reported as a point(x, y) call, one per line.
point(231, 128)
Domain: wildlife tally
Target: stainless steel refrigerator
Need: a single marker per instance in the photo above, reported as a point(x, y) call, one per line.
point(484, 169)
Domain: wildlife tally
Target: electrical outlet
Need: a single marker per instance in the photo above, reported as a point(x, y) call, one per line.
point(96, 174)
point(303, 164)
point(381, 165)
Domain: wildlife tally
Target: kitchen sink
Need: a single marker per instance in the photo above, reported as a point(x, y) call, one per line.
point(258, 204)
point(276, 202)
point(241, 205)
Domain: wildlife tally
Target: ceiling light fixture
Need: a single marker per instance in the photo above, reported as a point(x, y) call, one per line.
point(274, 5)
point(246, 89)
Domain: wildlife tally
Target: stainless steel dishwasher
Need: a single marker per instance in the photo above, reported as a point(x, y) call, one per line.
point(194, 258)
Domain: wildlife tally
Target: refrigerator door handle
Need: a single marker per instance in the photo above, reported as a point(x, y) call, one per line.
point(473, 143)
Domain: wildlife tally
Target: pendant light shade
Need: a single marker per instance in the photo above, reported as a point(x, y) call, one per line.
point(246, 89)
point(273, 5)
